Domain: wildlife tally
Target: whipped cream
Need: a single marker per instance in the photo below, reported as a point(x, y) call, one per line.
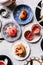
point(3, 1)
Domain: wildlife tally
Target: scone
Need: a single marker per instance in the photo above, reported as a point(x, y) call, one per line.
point(11, 31)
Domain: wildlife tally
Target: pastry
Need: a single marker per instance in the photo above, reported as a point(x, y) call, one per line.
point(11, 31)
point(29, 35)
point(20, 50)
point(23, 14)
point(36, 29)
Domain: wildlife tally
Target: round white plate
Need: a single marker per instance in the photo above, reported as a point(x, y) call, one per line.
point(8, 38)
point(36, 37)
point(35, 61)
point(27, 50)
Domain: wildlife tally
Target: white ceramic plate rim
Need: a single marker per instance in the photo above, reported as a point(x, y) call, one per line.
point(27, 50)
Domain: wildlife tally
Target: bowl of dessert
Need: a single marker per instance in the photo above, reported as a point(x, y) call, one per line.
point(21, 50)
point(32, 33)
point(11, 31)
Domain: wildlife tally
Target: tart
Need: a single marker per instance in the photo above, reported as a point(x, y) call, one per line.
point(11, 31)
point(29, 35)
point(36, 29)
point(20, 50)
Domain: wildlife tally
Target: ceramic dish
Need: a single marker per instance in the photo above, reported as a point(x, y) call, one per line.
point(36, 37)
point(3, 57)
point(17, 11)
point(33, 61)
point(7, 2)
point(37, 13)
point(8, 38)
point(26, 47)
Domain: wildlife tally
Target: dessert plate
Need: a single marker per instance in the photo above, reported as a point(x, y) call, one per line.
point(8, 38)
point(27, 47)
point(36, 37)
point(3, 57)
point(33, 61)
point(37, 13)
point(17, 11)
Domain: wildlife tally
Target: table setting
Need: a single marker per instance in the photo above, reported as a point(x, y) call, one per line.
point(21, 32)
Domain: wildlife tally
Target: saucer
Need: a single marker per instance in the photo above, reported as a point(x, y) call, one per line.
point(17, 11)
point(27, 47)
point(8, 38)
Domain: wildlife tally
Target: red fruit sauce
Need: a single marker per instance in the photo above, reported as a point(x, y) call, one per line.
point(2, 63)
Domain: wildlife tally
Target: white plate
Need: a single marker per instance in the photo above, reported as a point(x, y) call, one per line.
point(35, 61)
point(27, 50)
point(8, 38)
point(36, 37)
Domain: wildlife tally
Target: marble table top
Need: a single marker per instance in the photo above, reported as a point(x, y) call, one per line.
point(5, 47)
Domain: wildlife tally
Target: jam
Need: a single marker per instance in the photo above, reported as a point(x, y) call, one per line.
point(28, 35)
point(1, 63)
